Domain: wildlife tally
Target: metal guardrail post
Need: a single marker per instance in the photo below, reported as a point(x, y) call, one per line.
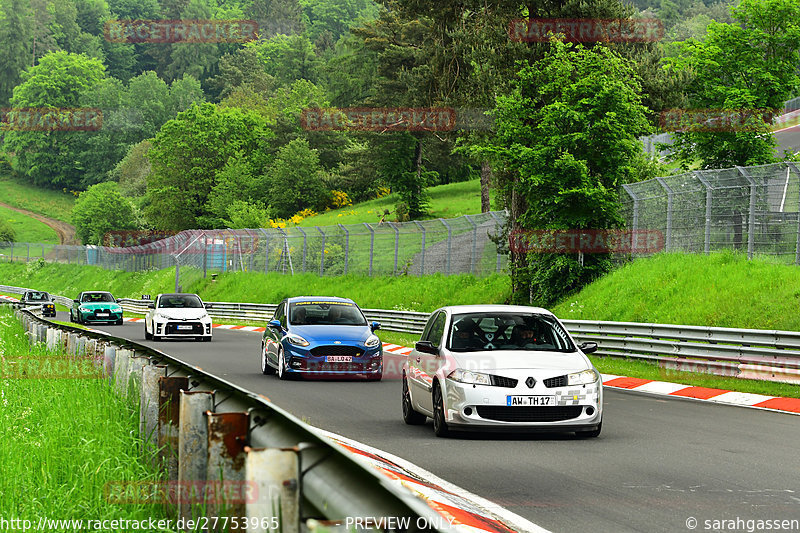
point(449, 242)
point(751, 221)
point(371, 246)
point(422, 252)
point(192, 442)
point(474, 244)
point(635, 223)
point(396, 244)
point(273, 474)
point(227, 437)
point(670, 195)
point(346, 247)
point(169, 389)
point(148, 408)
point(709, 199)
point(321, 253)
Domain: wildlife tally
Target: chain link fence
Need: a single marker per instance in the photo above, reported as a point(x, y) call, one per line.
point(743, 208)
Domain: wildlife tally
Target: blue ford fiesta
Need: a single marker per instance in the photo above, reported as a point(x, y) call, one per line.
point(315, 336)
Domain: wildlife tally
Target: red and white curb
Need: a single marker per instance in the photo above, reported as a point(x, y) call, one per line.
point(8, 298)
point(743, 399)
point(215, 326)
point(460, 510)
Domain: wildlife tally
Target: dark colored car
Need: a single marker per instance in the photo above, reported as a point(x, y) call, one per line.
point(95, 306)
point(40, 298)
point(318, 336)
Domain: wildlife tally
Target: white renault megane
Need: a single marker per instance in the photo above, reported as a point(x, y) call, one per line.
point(501, 367)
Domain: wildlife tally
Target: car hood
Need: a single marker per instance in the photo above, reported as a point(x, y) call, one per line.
point(329, 334)
point(100, 305)
point(519, 359)
point(190, 313)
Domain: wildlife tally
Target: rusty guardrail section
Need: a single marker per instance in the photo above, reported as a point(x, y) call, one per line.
point(200, 428)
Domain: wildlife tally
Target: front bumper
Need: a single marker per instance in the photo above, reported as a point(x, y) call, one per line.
point(301, 361)
point(91, 316)
point(181, 328)
point(576, 408)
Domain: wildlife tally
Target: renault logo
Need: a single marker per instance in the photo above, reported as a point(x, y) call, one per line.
point(530, 382)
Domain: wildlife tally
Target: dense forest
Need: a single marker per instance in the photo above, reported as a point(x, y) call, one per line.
point(215, 133)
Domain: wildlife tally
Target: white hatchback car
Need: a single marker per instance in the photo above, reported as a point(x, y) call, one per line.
point(501, 367)
point(176, 316)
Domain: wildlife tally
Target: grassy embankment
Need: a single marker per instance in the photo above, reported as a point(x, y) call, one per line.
point(54, 204)
point(718, 290)
point(62, 440)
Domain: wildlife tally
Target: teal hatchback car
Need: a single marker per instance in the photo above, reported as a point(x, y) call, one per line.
point(95, 306)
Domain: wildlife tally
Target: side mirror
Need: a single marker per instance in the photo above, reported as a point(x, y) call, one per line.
point(207, 305)
point(76, 301)
point(375, 326)
point(275, 324)
point(588, 347)
point(151, 306)
point(426, 347)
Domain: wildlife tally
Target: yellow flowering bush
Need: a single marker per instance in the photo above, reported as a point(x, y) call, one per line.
point(340, 199)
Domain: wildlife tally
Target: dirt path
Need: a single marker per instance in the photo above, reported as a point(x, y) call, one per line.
point(66, 232)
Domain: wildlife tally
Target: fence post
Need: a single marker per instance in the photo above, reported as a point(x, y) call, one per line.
point(396, 244)
point(797, 245)
point(474, 244)
point(266, 253)
point(28, 253)
point(305, 245)
point(498, 226)
point(177, 274)
point(670, 195)
point(321, 253)
point(12, 251)
point(709, 198)
point(422, 259)
point(346, 247)
point(751, 222)
point(635, 223)
point(449, 242)
point(371, 245)
point(205, 255)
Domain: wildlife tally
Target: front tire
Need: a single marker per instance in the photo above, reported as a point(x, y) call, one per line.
point(265, 368)
point(147, 336)
point(282, 373)
point(118, 322)
point(439, 424)
point(410, 415)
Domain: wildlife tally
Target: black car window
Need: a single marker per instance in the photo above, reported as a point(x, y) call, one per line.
point(36, 297)
point(436, 329)
point(508, 331)
point(325, 313)
point(180, 301)
point(280, 314)
point(97, 297)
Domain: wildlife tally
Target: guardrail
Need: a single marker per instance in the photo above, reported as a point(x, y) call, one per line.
point(770, 355)
point(197, 425)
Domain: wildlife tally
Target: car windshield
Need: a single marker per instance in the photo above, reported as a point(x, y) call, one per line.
point(477, 332)
point(37, 297)
point(322, 313)
point(179, 301)
point(97, 297)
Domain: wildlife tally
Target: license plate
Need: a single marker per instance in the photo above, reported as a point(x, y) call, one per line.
point(187, 327)
point(522, 401)
point(102, 314)
point(339, 359)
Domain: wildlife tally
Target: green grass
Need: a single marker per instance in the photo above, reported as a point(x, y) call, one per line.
point(28, 229)
point(722, 289)
point(54, 204)
point(447, 201)
point(63, 440)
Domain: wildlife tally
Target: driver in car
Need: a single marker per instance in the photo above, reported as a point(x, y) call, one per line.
point(465, 335)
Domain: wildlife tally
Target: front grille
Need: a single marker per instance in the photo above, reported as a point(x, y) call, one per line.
point(560, 381)
point(331, 367)
point(109, 315)
point(503, 413)
point(172, 328)
point(500, 381)
point(337, 349)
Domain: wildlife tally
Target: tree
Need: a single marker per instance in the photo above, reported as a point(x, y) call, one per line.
point(7, 233)
point(568, 133)
point(131, 172)
point(187, 155)
point(16, 33)
point(54, 158)
point(749, 65)
point(295, 181)
point(287, 58)
point(101, 209)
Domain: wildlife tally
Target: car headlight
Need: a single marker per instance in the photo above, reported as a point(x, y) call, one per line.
point(372, 341)
point(582, 378)
point(83, 309)
point(160, 316)
point(472, 378)
point(297, 340)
